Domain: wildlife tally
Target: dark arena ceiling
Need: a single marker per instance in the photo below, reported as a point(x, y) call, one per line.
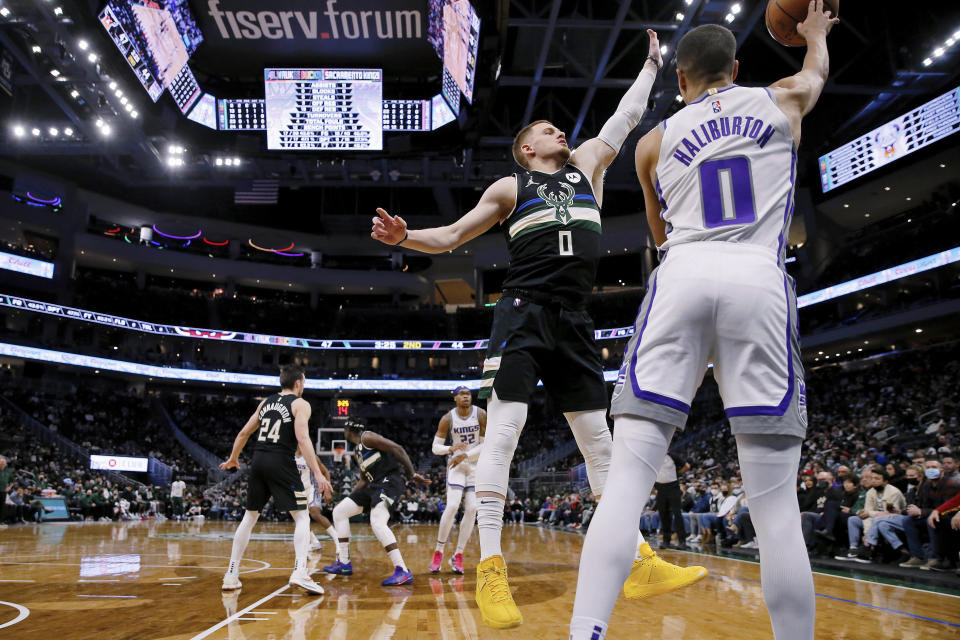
point(565, 60)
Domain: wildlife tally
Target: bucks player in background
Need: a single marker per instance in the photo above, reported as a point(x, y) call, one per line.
point(381, 463)
point(718, 182)
point(550, 215)
point(315, 499)
point(281, 425)
point(466, 425)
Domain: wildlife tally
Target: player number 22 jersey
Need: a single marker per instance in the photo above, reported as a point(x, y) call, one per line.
point(465, 430)
point(726, 170)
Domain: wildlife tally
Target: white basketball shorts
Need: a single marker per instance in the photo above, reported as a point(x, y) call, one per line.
point(462, 476)
point(725, 303)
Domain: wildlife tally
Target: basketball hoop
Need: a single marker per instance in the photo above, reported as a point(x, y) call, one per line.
point(339, 448)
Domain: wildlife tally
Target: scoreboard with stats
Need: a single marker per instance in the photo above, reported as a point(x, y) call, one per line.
point(406, 115)
point(242, 115)
point(324, 109)
point(924, 125)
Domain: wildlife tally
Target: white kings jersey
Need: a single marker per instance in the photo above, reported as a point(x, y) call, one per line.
point(465, 430)
point(305, 477)
point(726, 170)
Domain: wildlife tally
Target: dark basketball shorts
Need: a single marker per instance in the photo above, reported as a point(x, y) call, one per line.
point(388, 489)
point(274, 474)
point(530, 342)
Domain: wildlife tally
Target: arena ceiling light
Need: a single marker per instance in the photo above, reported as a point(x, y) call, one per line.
point(19, 131)
point(5, 12)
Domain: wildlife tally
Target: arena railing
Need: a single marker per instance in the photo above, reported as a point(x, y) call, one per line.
point(196, 451)
point(907, 269)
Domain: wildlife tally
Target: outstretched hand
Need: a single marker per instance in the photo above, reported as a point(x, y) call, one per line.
point(817, 20)
point(419, 479)
point(232, 463)
point(457, 459)
point(388, 229)
point(655, 47)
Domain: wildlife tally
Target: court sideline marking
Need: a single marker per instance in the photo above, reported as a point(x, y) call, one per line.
point(236, 616)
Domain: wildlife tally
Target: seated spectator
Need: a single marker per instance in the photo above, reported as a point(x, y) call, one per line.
point(882, 501)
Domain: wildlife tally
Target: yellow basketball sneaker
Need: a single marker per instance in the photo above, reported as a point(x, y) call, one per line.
point(497, 607)
point(653, 575)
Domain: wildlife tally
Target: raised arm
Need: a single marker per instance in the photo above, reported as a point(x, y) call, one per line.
point(595, 155)
point(495, 204)
point(238, 443)
point(648, 153)
point(797, 94)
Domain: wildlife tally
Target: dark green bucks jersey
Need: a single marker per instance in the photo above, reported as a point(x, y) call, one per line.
point(553, 234)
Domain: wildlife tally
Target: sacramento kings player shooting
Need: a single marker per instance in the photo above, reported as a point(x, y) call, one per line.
point(718, 183)
point(466, 425)
point(550, 215)
point(281, 425)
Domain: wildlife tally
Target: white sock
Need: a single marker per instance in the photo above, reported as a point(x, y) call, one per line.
point(489, 526)
point(240, 540)
point(397, 559)
point(769, 466)
point(301, 540)
point(588, 628)
point(639, 447)
point(343, 551)
point(640, 543)
point(332, 532)
point(314, 540)
point(468, 522)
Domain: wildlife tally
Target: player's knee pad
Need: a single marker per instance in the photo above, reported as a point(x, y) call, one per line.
point(379, 519)
point(593, 437)
point(346, 510)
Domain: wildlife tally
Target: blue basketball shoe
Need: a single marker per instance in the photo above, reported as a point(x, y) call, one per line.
point(400, 576)
point(340, 568)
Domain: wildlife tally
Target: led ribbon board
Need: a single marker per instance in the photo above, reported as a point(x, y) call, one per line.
point(227, 377)
point(914, 130)
point(29, 266)
point(118, 463)
point(845, 288)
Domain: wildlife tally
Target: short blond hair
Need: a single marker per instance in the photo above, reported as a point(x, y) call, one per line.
point(518, 142)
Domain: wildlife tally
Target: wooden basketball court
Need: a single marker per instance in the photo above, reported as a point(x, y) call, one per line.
point(161, 581)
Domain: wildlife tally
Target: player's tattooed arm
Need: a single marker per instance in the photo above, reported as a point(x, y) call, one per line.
point(796, 95)
point(494, 206)
point(238, 443)
point(648, 152)
point(482, 419)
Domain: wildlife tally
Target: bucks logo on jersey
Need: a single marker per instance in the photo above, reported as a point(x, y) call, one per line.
point(559, 201)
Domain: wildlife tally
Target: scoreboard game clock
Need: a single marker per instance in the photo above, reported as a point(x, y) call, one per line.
point(340, 407)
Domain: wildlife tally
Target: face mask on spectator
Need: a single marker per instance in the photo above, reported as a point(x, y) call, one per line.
point(933, 474)
point(737, 492)
point(715, 492)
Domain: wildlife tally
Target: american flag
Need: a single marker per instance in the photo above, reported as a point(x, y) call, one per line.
point(257, 192)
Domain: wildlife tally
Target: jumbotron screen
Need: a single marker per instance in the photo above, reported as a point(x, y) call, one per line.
point(914, 130)
point(318, 109)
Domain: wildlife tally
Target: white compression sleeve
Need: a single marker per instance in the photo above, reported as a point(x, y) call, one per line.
point(593, 437)
point(629, 111)
point(241, 538)
point(301, 540)
point(439, 448)
point(769, 466)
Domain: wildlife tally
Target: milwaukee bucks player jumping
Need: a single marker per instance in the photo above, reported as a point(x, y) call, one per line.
point(550, 215)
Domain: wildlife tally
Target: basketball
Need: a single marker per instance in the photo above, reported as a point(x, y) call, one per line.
point(783, 16)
